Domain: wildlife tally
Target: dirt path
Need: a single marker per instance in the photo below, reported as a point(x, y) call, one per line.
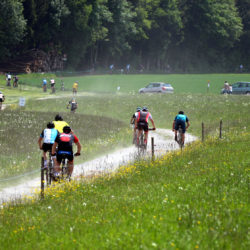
point(164, 142)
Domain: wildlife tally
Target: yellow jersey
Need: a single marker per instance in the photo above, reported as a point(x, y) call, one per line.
point(75, 85)
point(59, 125)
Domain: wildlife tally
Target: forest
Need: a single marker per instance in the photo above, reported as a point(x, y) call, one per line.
point(181, 36)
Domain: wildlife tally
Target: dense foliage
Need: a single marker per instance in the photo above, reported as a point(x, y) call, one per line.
point(170, 35)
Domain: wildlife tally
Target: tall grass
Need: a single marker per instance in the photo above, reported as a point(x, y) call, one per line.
point(20, 130)
point(197, 199)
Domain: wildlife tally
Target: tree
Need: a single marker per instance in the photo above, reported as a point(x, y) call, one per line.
point(211, 28)
point(12, 26)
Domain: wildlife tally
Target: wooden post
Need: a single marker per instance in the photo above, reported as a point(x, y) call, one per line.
point(42, 178)
point(153, 148)
point(202, 132)
point(220, 129)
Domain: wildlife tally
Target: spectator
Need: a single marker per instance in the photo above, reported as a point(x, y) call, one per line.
point(8, 79)
point(128, 68)
point(111, 67)
point(208, 86)
point(241, 68)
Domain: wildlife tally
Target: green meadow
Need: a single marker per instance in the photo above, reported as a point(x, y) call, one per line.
point(191, 199)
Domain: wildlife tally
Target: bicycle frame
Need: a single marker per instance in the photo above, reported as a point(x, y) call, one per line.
point(179, 137)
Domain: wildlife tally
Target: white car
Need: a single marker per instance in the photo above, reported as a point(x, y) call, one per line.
point(157, 87)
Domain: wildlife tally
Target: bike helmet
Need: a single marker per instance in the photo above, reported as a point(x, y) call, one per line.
point(181, 112)
point(144, 109)
point(66, 129)
point(50, 125)
point(58, 118)
point(138, 109)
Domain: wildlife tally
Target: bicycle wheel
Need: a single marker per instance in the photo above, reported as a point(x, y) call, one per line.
point(179, 138)
point(50, 169)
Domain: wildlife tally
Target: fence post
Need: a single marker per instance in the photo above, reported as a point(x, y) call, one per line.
point(153, 148)
point(42, 178)
point(202, 132)
point(220, 129)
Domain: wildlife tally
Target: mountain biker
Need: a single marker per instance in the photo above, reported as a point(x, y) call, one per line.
point(59, 123)
point(75, 86)
point(2, 98)
point(52, 85)
point(15, 81)
point(180, 120)
point(44, 85)
point(64, 142)
point(132, 121)
point(48, 137)
point(141, 123)
point(73, 105)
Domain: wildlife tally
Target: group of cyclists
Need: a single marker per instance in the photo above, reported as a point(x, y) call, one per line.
point(140, 122)
point(58, 138)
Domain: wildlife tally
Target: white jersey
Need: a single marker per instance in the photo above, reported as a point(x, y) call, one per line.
point(1, 95)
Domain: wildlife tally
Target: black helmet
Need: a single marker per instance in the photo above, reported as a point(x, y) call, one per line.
point(58, 118)
point(144, 109)
point(181, 112)
point(50, 125)
point(66, 129)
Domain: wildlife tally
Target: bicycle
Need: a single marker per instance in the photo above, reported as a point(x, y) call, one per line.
point(65, 169)
point(142, 146)
point(179, 137)
point(48, 171)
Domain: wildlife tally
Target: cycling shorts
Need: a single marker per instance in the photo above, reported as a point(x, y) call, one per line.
point(181, 124)
point(64, 155)
point(142, 126)
point(47, 147)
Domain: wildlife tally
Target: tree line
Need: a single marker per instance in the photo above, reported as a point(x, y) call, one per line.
point(164, 35)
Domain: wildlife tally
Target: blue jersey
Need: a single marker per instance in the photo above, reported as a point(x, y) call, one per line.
point(181, 118)
point(49, 135)
point(44, 82)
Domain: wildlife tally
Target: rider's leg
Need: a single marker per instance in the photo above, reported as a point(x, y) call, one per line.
point(146, 137)
point(70, 167)
point(183, 138)
point(45, 159)
point(138, 135)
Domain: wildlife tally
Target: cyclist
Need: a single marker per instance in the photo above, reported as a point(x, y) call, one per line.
point(64, 142)
point(15, 81)
point(2, 98)
point(75, 86)
point(141, 123)
point(48, 137)
point(132, 121)
point(52, 85)
point(73, 105)
point(44, 85)
point(180, 120)
point(59, 123)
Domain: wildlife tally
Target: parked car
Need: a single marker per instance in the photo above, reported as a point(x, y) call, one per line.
point(241, 88)
point(157, 87)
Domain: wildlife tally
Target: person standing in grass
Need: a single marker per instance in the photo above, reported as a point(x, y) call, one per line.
point(48, 137)
point(2, 99)
point(180, 121)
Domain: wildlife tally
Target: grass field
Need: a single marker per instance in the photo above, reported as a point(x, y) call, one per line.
point(182, 83)
point(197, 199)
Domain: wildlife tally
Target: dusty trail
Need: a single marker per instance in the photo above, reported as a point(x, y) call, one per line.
point(164, 142)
